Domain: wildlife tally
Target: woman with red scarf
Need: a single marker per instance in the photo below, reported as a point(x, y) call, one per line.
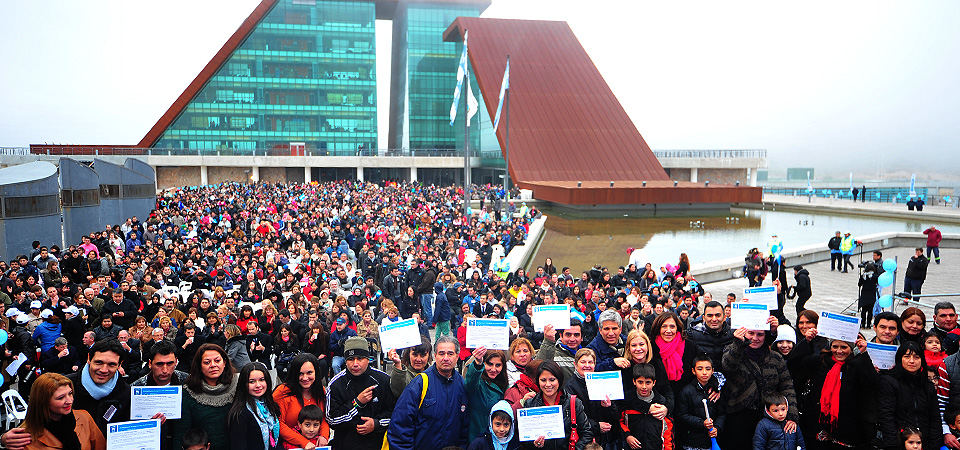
point(525, 388)
point(671, 345)
point(835, 413)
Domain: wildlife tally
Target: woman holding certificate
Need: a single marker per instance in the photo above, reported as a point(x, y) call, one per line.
point(550, 380)
point(53, 423)
point(638, 351)
point(486, 381)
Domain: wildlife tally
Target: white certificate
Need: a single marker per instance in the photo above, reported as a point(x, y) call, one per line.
point(752, 316)
point(494, 334)
point(147, 401)
point(838, 326)
point(400, 334)
point(546, 421)
point(766, 295)
point(15, 364)
point(137, 435)
point(556, 315)
point(883, 356)
point(603, 384)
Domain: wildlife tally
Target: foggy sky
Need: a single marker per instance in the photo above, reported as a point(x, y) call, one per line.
point(838, 86)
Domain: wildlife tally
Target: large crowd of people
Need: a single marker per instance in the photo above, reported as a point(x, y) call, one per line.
point(265, 303)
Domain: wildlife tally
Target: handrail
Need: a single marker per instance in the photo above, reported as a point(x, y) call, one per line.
point(72, 150)
point(721, 154)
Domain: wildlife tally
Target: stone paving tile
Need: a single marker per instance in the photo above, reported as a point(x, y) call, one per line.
point(837, 292)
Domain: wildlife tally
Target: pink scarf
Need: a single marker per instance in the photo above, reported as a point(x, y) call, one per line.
point(672, 355)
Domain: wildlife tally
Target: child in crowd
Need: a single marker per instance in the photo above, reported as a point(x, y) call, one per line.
point(952, 417)
point(911, 439)
point(770, 434)
point(196, 439)
point(652, 428)
point(308, 425)
point(694, 429)
point(500, 434)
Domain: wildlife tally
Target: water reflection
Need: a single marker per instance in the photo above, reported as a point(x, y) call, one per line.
point(579, 243)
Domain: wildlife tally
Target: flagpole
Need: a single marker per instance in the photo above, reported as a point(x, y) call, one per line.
point(466, 146)
point(506, 154)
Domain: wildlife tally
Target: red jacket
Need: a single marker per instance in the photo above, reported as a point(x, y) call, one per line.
point(933, 237)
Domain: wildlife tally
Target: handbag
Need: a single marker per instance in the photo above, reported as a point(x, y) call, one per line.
point(574, 437)
point(285, 358)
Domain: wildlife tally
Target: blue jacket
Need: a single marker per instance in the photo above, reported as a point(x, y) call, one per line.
point(45, 334)
point(439, 422)
point(441, 309)
point(335, 338)
point(605, 354)
point(770, 436)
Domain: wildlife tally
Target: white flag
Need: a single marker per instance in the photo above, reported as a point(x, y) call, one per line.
point(472, 105)
point(461, 72)
point(503, 90)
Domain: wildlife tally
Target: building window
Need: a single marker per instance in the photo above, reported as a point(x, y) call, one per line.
point(42, 205)
point(109, 191)
point(138, 191)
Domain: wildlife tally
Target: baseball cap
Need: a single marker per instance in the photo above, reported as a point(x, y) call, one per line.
point(340, 321)
point(45, 313)
point(22, 319)
point(36, 304)
point(72, 310)
point(13, 312)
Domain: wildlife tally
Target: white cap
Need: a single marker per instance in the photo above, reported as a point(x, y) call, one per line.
point(786, 333)
point(13, 312)
point(72, 310)
point(36, 304)
point(22, 318)
point(45, 313)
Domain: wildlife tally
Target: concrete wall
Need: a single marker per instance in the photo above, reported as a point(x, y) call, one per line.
point(275, 174)
point(79, 220)
point(723, 176)
point(217, 175)
point(294, 175)
point(177, 176)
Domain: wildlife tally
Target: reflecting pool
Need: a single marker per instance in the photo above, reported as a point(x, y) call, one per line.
point(579, 243)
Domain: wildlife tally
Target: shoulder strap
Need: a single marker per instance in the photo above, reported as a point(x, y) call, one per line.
point(573, 410)
point(423, 391)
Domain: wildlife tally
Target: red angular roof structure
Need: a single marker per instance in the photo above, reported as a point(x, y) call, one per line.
point(565, 122)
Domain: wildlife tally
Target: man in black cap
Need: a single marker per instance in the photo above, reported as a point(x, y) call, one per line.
point(360, 401)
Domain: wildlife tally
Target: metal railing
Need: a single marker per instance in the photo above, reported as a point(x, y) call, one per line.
point(135, 151)
point(711, 154)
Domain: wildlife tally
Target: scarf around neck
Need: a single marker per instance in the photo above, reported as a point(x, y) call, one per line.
point(97, 391)
point(830, 396)
point(216, 396)
point(65, 431)
point(672, 355)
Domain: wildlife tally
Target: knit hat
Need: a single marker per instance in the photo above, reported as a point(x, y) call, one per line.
point(356, 347)
point(786, 333)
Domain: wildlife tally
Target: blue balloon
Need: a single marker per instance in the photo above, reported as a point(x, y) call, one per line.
point(886, 279)
point(946, 198)
point(878, 195)
point(886, 301)
point(3, 338)
point(890, 265)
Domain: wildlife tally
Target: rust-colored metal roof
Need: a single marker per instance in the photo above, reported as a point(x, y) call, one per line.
point(636, 193)
point(385, 9)
point(565, 122)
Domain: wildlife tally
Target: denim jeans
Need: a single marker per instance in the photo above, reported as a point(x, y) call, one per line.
point(426, 302)
point(338, 363)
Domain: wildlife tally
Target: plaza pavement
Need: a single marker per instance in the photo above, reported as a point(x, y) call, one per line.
point(837, 292)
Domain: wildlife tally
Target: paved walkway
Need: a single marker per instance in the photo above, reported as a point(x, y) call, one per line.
point(846, 206)
point(837, 292)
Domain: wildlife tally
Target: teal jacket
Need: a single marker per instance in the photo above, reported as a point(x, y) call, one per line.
point(481, 396)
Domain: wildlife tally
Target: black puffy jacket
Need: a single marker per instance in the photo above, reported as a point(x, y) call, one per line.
point(906, 400)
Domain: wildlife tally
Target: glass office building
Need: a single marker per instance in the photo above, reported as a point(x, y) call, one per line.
point(305, 74)
point(424, 78)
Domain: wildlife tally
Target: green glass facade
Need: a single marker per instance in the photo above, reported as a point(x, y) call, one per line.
point(424, 78)
point(305, 74)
